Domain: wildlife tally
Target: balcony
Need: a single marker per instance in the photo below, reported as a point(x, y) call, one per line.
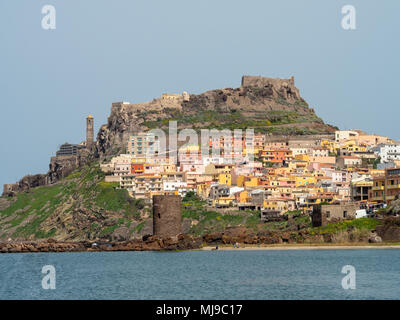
point(378, 198)
point(375, 188)
point(393, 186)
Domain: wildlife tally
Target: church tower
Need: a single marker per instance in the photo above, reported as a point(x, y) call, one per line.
point(89, 132)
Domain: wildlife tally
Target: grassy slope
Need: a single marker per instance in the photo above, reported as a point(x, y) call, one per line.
point(267, 123)
point(31, 215)
point(37, 206)
point(212, 221)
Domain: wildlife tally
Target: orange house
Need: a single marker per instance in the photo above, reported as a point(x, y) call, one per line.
point(137, 168)
point(276, 155)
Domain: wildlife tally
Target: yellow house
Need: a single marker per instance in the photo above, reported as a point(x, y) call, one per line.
point(376, 172)
point(223, 201)
point(281, 205)
point(352, 146)
point(285, 190)
point(282, 171)
point(138, 160)
point(251, 182)
point(298, 164)
point(224, 178)
point(302, 157)
point(305, 180)
point(378, 185)
point(203, 189)
point(271, 189)
point(270, 204)
point(331, 145)
point(244, 197)
point(240, 180)
point(218, 168)
point(320, 198)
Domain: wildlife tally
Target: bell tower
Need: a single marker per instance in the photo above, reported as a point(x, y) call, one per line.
point(89, 131)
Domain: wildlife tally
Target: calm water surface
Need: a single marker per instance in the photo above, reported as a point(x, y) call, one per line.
point(303, 274)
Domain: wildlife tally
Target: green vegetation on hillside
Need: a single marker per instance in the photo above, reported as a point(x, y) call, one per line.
point(82, 195)
point(362, 224)
point(218, 119)
point(209, 221)
point(25, 215)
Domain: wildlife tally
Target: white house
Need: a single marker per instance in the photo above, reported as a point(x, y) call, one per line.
point(389, 152)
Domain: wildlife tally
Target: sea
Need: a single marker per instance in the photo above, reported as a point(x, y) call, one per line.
point(219, 274)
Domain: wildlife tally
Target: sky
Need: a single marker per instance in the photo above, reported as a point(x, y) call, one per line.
point(123, 50)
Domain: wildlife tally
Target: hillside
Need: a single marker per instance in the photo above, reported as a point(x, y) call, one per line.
point(272, 106)
point(82, 207)
point(79, 207)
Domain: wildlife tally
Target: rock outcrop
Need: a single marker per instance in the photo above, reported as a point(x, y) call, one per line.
point(390, 230)
point(152, 243)
point(275, 87)
point(267, 104)
point(394, 208)
point(374, 238)
point(59, 168)
point(25, 184)
point(244, 235)
point(62, 166)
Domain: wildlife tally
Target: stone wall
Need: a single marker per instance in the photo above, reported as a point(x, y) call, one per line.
point(324, 214)
point(284, 87)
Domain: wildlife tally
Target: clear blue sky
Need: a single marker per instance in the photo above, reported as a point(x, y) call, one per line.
point(105, 51)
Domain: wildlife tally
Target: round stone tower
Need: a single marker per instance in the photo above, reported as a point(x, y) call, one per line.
point(167, 218)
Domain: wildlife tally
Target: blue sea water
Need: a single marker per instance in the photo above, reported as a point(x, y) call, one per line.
point(281, 274)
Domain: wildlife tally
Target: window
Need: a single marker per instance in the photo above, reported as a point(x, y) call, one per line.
point(344, 214)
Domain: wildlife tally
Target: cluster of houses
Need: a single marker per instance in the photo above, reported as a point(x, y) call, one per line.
point(274, 175)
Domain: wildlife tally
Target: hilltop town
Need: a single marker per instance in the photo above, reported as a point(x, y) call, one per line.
point(286, 180)
point(350, 172)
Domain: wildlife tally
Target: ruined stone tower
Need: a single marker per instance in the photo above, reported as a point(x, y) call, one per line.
point(89, 132)
point(167, 219)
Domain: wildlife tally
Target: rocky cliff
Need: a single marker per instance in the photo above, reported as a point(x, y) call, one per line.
point(272, 106)
point(59, 168)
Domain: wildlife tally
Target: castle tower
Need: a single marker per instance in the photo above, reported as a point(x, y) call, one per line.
point(167, 218)
point(89, 131)
point(186, 96)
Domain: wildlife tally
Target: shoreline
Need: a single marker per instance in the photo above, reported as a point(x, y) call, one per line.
point(182, 242)
point(303, 247)
point(213, 248)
